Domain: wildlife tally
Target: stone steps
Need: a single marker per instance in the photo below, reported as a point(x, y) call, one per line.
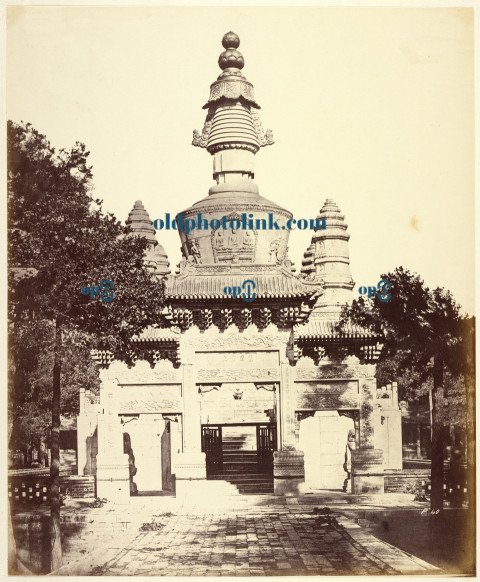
point(240, 468)
point(243, 478)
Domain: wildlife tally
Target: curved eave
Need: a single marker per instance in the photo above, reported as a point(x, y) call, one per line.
point(151, 340)
point(224, 297)
point(339, 337)
point(162, 335)
point(326, 331)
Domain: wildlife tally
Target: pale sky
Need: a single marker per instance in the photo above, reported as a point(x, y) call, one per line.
point(373, 107)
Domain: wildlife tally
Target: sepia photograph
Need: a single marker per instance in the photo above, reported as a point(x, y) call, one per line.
point(241, 290)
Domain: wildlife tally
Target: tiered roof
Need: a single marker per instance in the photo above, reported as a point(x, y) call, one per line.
point(275, 283)
point(316, 329)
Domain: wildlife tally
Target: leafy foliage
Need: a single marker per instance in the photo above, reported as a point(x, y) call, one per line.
point(429, 345)
point(60, 241)
point(418, 324)
point(31, 352)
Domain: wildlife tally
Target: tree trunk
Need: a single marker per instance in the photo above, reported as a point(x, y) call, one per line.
point(55, 534)
point(12, 546)
point(436, 499)
point(471, 456)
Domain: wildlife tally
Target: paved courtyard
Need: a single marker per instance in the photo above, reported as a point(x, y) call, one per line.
point(249, 536)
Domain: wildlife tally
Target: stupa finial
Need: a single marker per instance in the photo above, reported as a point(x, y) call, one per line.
point(232, 121)
point(231, 40)
point(231, 58)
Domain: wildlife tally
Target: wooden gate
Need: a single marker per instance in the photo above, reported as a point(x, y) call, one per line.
point(266, 444)
point(212, 447)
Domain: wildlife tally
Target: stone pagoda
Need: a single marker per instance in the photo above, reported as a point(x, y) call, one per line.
point(234, 396)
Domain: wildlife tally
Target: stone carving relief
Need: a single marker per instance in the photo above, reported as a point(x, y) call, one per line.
point(327, 395)
point(268, 387)
point(299, 416)
point(205, 388)
point(231, 340)
point(265, 138)
point(186, 266)
point(195, 251)
point(239, 358)
point(142, 373)
point(202, 140)
point(274, 251)
point(329, 371)
point(313, 278)
point(141, 399)
point(231, 90)
point(232, 245)
point(239, 375)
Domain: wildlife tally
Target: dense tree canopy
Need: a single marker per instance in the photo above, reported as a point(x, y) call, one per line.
point(60, 241)
point(31, 357)
point(428, 345)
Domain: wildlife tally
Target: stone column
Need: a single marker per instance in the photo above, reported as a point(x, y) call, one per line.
point(367, 461)
point(190, 466)
point(113, 476)
point(86, 425)
point(388, 427)
point(288, 463)
point(82, 433)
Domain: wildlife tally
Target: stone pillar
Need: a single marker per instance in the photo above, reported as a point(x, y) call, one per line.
point(288, 463)
point(367, 461)
point(86, 425)
point(113, 475)
point(288, 438)
point(367, 471)
point(82, 431)
point(190, 465)
point(388, 426)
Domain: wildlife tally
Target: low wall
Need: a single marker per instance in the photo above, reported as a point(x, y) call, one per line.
point(31, 529)
point(404, 481)
point(31, 488)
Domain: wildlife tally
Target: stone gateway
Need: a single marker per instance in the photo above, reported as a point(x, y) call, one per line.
point(234, 396)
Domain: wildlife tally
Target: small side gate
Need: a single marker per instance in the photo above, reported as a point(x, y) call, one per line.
point(212, 447)
point(266, 444)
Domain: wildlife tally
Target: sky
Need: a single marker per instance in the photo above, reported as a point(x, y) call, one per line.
point(370, 106)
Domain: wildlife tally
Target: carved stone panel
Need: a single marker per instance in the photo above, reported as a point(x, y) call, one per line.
point(234, 244)
point(237, 374)
point(320, 372)
point(142, 373)
point(231, 340)
point(238, 359)
point(327, 395)
point(148, 399)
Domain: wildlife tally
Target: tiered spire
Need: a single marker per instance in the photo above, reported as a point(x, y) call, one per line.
point(140, 224)
point(232, 132)
point(327, 257)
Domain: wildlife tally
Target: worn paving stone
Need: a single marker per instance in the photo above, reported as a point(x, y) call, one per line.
point(286, 540)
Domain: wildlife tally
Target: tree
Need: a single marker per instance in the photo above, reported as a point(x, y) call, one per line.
point(425, 332)
point(60, 241)
point(31, 363)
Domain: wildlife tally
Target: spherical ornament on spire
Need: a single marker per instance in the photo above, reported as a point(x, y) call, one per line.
point(230, 40)
point(231, 59)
